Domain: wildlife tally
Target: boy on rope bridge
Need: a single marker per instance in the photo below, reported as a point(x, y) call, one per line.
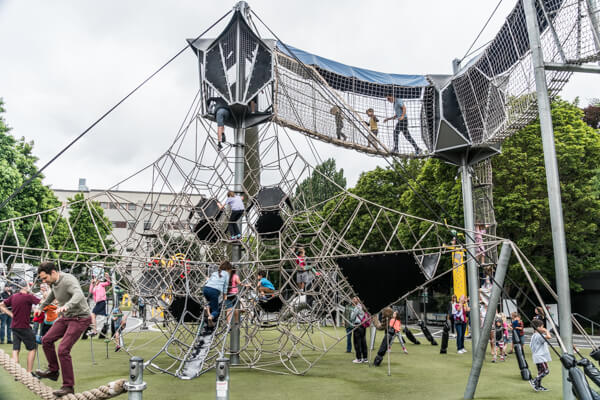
point(402, 124)
point(74, 320)
point(372, 125)
point(21, 304)
point(339, 122)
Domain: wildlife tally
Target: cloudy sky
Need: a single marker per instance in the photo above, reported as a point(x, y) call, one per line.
point(64, 63)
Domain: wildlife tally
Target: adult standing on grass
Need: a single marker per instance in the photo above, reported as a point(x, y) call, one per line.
point(75, 319)
point(360, 332)
point(459, 313)
point(450, 317)
point(349, 326)
point(21, 303)
point(5, 319)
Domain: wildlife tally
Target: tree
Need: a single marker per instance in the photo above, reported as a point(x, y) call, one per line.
point(591, 114)
point(520, 196)
point(382, 186)
point(325, 182)
point(17, 164)
point(521, 199)
point(91, 230)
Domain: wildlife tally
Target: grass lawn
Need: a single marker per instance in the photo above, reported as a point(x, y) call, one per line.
point(422, 374)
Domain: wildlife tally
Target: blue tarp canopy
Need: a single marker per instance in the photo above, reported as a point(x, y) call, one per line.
point(366, 75)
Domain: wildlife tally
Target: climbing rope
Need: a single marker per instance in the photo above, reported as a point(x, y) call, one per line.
point(107, 391)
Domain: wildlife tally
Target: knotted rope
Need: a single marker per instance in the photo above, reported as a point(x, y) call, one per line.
point(107, 391)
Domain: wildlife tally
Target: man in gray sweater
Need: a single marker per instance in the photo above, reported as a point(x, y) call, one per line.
point(74, 318)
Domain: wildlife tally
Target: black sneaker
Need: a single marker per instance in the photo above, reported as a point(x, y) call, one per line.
point(47, 374)
point(532, 383)
point(219, 146)
point(223, 138)
point(542, 389)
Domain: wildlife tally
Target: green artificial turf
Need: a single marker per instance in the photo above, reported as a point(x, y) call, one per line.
point(422, 374)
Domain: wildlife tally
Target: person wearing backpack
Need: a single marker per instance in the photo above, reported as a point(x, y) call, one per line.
point(361, 321)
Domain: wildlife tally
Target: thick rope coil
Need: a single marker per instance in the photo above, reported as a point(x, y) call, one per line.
point(107, 391)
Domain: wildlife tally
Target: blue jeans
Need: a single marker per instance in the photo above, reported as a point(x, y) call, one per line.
point(461, 328)
point(221, 115)
point(212, 296)
point(349, 339)
point(5, 321)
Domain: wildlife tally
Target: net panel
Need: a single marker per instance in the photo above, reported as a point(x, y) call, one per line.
point(333, 108)
point(496, 91)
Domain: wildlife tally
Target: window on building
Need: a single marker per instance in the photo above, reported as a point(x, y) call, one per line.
point(131, 206)
point(114, 206)
point(148, 206)
point(104, 205)
point(164, 207)
point(123, 206)
point(131, 225)
point(147, 225)
point(119, 224)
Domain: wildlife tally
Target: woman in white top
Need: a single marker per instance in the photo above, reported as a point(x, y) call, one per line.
point(215, 288)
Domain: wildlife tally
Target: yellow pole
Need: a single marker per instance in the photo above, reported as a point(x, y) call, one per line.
point(459, 272)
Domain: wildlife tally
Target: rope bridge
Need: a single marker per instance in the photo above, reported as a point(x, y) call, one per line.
point(20, 374)
point(487, 100)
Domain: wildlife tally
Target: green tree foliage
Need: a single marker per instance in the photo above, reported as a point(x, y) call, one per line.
point(17, 164)
point(325, 182)
point(521, 199)
point(382, 186)
point(520, 195)
point(90, 228)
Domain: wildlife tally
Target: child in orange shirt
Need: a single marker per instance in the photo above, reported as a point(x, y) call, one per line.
point(50, 315)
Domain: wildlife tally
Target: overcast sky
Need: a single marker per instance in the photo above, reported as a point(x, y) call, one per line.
point(64, 63)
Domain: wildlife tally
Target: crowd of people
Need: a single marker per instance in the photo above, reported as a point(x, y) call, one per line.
point(61, 312)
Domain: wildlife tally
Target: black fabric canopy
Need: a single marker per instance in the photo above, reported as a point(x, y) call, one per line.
point(380, 280)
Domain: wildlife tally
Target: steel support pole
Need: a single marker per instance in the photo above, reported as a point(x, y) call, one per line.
point(595, 23)
point(553, 183)
point(238, 186)
point(472, 273)
point(136, 385)
point(479, 347)
point(222, 369)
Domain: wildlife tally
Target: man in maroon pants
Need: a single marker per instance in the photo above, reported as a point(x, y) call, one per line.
point(75, 318)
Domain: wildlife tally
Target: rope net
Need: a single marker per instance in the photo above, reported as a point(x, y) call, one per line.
point(495, 90)
point(176, 235)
